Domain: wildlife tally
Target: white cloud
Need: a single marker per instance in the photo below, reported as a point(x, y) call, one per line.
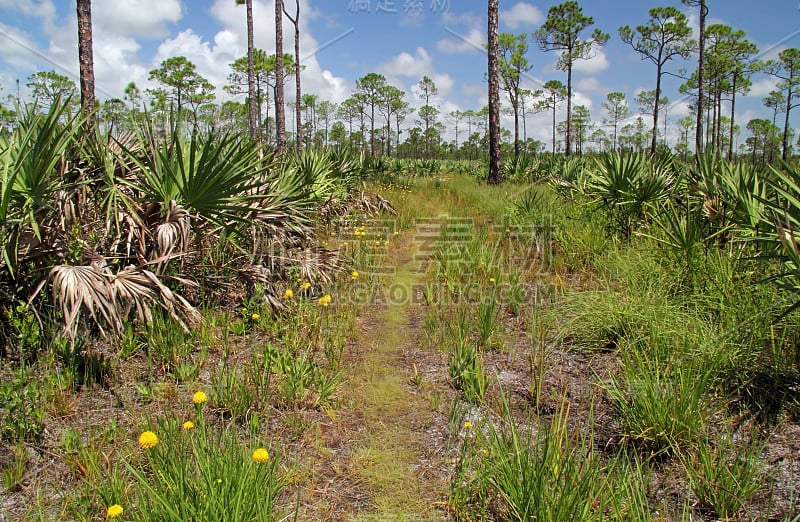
point(444, 82)
point(473, 89)
point(680, 109)
point(590, 84)
point(211, 60)
point(409, 65)
point(43, 9)
point(520, 15)
point(598, 62)
point(417, 65)
point(471, 42)
point(147, 18)
point(579, 98)
point(762, 88)
point(116, 64)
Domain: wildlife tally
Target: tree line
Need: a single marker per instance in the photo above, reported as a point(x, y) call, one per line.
point(377, 114)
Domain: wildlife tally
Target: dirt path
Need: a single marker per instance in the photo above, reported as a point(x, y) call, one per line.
point(385, 441)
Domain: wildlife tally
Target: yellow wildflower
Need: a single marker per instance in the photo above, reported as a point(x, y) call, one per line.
point(261, 455)
point(188, 425)
point(467, 425)
point(325, 300)
point(199, 397)
point(255, 317)
point(491, 280)
point(147, 440)
point(114, 511)
point(305, 286)
point(288, 294)
point(354, 275)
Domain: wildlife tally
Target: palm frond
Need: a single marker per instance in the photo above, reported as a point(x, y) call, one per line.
point(84, 288)
point(141, 289)
point(173, 232)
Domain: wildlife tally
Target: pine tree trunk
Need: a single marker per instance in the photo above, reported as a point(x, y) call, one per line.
point(86, 59)
point(785, 154)
point(655, 109)
point(280, 109)
point(733, 115)
point(568, 143)
point(701, 70)
point(252, 113)
point(495, 159)
point(554, 125)
point(516, 131)
point(298, 93)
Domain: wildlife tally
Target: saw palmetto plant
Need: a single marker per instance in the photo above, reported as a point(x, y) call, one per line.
point(629, 187)
point(111, 228)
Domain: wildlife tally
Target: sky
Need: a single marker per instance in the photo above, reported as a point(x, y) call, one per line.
point(342, 40)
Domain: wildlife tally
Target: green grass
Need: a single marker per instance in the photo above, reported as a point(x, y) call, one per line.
point(608, 397)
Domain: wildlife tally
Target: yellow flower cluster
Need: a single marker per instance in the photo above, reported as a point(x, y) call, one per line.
point(325, 300)
point(199, 397)
point(360, 231)
point(114, 511)
point(260, 455)
point(147, 440)
point(305, 286)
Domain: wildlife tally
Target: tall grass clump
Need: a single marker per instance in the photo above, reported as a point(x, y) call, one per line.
point(665, 394)
point(466, 369)
point(547, 471)
point(193, 471)
point(725, 474)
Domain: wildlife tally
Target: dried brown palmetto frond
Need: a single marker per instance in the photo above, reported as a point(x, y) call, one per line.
point(712, 208)
point(108, 298)
point(384, 205)
point(172, 234)
point(84, 287)
point(136, 287)
point(318, 263)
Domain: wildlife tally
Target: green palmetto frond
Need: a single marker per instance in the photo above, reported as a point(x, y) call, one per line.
point(30, 175)
point(629, 186)
point(221, 180)
point(781, 221)
point(108, 177)
point(746, 189)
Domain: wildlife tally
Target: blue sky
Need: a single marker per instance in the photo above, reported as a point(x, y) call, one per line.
point(344, 39)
